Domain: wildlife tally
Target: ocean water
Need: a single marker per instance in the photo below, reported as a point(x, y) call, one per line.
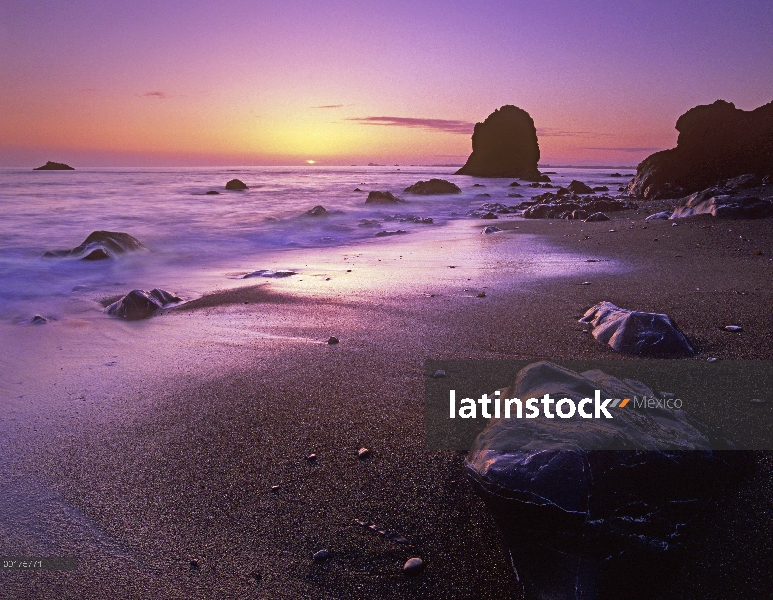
point(191, 234)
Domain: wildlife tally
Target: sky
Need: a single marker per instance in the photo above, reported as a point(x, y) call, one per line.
point(109, 83)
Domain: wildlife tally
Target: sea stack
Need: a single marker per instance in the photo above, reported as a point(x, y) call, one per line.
point(504, 145)
point(716, 142)
point(54, 166)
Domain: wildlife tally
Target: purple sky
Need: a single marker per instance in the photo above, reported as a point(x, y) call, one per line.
point(197, 83)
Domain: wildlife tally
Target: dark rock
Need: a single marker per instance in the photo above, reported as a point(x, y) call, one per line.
point(579, 214)
point(377, 197)
point(489, 215)
point(544, 178)
point(716, 142)
point(363, 453)
point(615, 175)
point(333, 340)
point(659, 215)
point(724, 203)
point(38, 320)
point(514, 184)
point(478, 185)
point(413, 566)
point(236, 184)
point(599, 216)
point(212, 193)
point(601, 188)
point(321, 555)
point(621, 189)
point(588, 506)
point(633, 332)
point(481, 294)
point(504, 145)
point(515, 195)
point(100, 245)
point(733, 328)
point(491, 229)
point(433, 186)
point(439, 374)
point(357, 190)
point(578, 187)
point(139, 304)
point(317, 211)
point(369, 223)
point(743, 181)
point(388, 233)
point(54, 166)
point(483, 195)
point(279, 274)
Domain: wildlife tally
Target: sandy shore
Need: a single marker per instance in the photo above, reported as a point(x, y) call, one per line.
point(173, 461)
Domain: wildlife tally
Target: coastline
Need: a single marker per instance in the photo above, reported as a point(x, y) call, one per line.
point(180, 466)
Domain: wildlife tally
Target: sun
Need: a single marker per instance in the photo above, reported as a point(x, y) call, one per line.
point(311, 162)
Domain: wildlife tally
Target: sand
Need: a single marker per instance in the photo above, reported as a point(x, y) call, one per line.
point(169, 455)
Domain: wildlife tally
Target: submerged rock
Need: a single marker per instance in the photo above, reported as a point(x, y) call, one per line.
point(504, 145)
point(139, 304)
point(433, 186)
point(590, 507)
point(279, 274)
point(236, 184)
point(578, 187)
point(388, 233)
point(634, 332)
point(54, 166)
point(100, 245)
point(716, 142)
point(212, 193)
point(377, 197)
point(318, 211)
point(724, 203)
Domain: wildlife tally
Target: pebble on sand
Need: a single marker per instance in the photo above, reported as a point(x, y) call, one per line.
point(733, 328)
point(363, 453)
point(333, 340)
point(321, 555)
point(482, 295)
point(38, 320)
point(413, 566)
point(439, 374)
point(311, 457)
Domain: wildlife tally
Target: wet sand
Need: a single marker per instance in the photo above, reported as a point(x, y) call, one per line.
point(169, 455)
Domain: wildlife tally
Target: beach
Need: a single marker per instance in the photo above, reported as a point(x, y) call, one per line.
point(151, 452)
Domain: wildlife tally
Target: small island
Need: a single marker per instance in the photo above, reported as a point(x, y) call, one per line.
point(54, 166)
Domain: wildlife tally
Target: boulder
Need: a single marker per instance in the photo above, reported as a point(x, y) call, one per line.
point(433, 186)
point(54, 166)
point(578, 187)
point(716, 142)
point(659, 215)
point(318, 211)
point(634, 332)
point(723, 203)
point(591, 508)
point(491, 229)
point(599, 216)
point(504, 145)
point(236, 184)
point(579, 214)
point(390, 233)
point(601, 188)
point(139, 304)
point(100, 245)
point(514, 184)
point(377, 197)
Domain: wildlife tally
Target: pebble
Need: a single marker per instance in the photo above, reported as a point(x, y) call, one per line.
point(733, 328)
point(674, 224)
point(333, 340)
point(255, 577)
point(712, 359)
point(274, 488)
point(758, 401)
point(311, 457)
point(413, 566)
point(321, 555)
point(585, 283)
point(38, 320)
point(363, 453)
point(439, 374)
point(482, 295)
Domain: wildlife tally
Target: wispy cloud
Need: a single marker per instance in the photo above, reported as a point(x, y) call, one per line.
point(551, 132)
point(158, 95)
point(445, 125)
point(329, 106)
point(626, 149)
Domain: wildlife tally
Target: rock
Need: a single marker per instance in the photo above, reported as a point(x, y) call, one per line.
point(439, 374)
point(489, 215)
point(601, 188)
point(634, 332)
point(275, 488)
point(514, 184)
point(743, 181)
point(733, 328)
point(236, 184)
point(317, 211)
point(483, 195)
point(615, 175)
point(544, 178)
point(311, 457)
point(579, 215)
point(369, 223)
point(587, 506)
point(578, 187)
point(413, 566)
point(481, 294)
point(321, 555)
point(139, 304)
point(212, 193)
point(491, 229)
point(54, 166)
point(38, 320)
point(504, 145)
point(363, 453)
point(478, 185)
point(599, 216)
point(716, 142)
point(101, 245)
point(433, 186)
point(659, 215)
point(377, 197)
point(515, 195)
point(723, 203)
point(333, 340)
point(388, 233)
point(269, 273)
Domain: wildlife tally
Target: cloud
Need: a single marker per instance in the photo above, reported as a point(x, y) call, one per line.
point(626, 149)
point(445, 125)
point(159, 95)
point(329, 106)
point(550, 132)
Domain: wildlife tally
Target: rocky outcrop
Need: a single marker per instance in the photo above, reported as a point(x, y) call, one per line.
point(236, 184)
point(724, 203)
point(433, 186)
point(101, 245)
point(564, 205)
point(590, 508)
point(377, 197)
point(139, 304)
point(716, 142)
point(318, 211)
point(504, 145)
point(634, 332)
point(54, 166)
